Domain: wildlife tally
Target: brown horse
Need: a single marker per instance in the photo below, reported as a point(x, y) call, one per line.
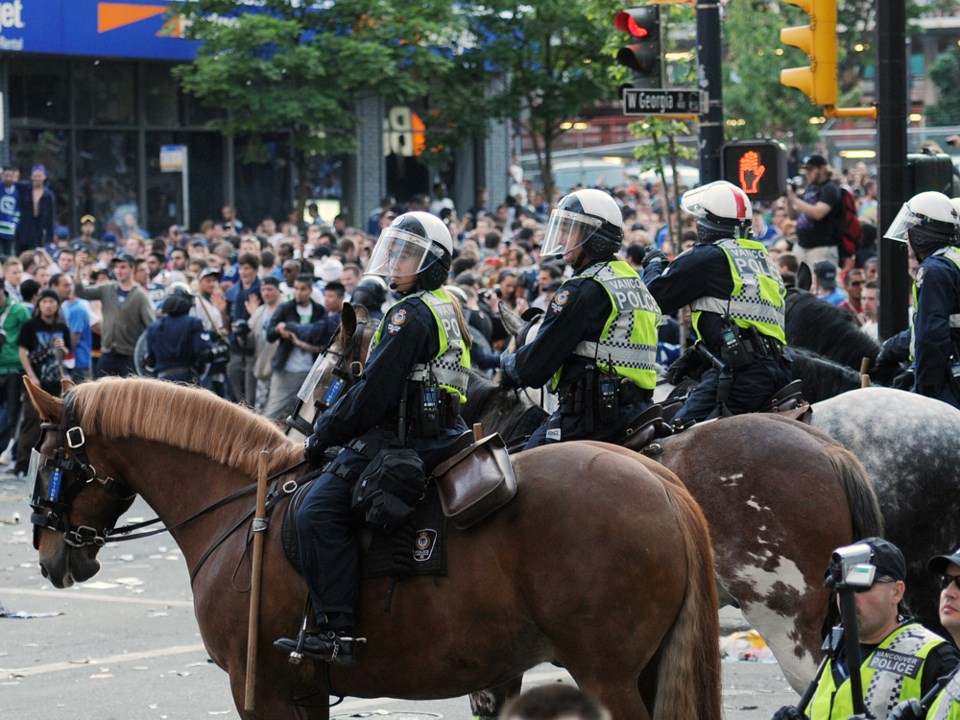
point(779, 496)
point(569, 571)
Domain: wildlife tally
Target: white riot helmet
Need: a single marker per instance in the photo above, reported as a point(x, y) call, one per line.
point(722, 210)
point(928, 221)
point(415, 243)
point(588, 218)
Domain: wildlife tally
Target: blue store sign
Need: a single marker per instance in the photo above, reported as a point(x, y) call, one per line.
point(136, 29)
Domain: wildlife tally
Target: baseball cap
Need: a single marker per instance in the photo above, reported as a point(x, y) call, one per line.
point(814, 161)
point(110, 238)
point(939, 563)
point(125, 258)
point(887, 558)
point(826, 273)
point(88, 219)
point(62, 232)
point(207, 272)
point(197, 242)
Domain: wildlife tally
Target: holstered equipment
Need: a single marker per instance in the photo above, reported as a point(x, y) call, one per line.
point(598, 396)
point(476, 481)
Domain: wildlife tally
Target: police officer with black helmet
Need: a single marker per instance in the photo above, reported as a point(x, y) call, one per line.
point(737, 298)
point(409, 397)
point(598, 343)
point(177, 342)
point(929, 223)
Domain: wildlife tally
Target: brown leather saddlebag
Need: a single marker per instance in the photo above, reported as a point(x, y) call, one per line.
point(476, 481)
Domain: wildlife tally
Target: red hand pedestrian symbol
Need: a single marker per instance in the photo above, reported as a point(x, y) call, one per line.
point(751, 171)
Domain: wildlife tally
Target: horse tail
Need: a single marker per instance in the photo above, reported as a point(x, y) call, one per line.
point(688, 670)
point(865, 517)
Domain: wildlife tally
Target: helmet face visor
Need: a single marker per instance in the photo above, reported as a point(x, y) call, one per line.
point(567, 231)
point(399, 253)
point(904, 221)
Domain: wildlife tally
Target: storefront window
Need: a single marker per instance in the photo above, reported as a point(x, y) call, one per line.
point(107, 176)
point(39, 92)
point(164, 194)
point(105, 93)
point(262, 183)
point(161, 96)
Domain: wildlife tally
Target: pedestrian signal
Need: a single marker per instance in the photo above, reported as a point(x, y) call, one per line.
point(759, 168)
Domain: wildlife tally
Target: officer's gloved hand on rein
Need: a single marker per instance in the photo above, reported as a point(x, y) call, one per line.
point(507, 382)
point(687, 364)
point(885, 368)
point(652, 255)
point(905, 380)
point(788, 712)
point(907, 710)
point(313, 450)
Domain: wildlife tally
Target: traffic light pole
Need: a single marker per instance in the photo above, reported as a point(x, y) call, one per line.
point(892, 148)
point(710, 80)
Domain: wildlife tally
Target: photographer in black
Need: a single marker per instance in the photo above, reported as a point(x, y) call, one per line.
point(816, 213)
point(240, 298)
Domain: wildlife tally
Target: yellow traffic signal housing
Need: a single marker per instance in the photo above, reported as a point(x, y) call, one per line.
point(819, 41)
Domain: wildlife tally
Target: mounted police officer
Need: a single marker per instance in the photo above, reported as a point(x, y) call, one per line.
point(929, 222)
point(900, 659)
point(177, 342)
point(597, 346)
point(410, 397)
point(737, 299)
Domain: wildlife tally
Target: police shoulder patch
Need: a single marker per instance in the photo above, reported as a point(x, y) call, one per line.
point(920, 273)
point(559, 300)
point(396, 321)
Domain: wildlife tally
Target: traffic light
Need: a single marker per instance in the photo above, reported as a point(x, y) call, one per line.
point(929, 172)
point(758, 167)
point(819, 41)
point(642, 56)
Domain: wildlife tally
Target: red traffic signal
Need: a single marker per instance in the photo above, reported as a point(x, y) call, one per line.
point(643, 57)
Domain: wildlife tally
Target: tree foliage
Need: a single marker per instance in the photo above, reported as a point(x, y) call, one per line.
point(945, 72)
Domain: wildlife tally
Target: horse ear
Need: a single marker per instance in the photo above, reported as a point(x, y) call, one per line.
point(49, 407)
point(66, 385)
point(348, 323)
point(511, 321)
point(363, 315)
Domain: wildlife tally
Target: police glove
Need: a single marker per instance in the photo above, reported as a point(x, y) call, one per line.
point(691, 362)
point(905, 380)
point(314, 450)
point(652, 255)
point(507, 382)
point(907, 710)
point(885, 368)
point(788, 712)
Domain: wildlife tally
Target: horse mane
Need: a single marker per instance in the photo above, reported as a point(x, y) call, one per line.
point(185, 417)
point(822, 378)
point(828, 330)
point(487, 403)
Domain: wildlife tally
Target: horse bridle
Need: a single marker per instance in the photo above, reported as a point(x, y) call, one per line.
point(344, 368)
point(51, 507)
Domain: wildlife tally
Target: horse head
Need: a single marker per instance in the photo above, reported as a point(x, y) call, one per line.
point(75, 503)
point(343, 361)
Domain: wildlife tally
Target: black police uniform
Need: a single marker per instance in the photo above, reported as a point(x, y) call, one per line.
point(936, 325)
point(581, 317)
point(367, 414)
point(177, 345)
point(704, 271)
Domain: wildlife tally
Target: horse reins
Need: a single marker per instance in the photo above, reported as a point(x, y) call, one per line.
point(51, 509)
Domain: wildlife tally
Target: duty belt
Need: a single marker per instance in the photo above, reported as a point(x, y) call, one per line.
point(170, 372)
point(760, 344)
point(628, 393)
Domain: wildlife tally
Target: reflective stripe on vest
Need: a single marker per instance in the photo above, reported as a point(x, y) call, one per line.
point(947, 704)
point(758, 294)
point(953, 254)
point(628, 341)
point(449, 368)
point(882, 688)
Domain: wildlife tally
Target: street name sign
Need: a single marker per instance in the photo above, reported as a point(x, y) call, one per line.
point(661, 102)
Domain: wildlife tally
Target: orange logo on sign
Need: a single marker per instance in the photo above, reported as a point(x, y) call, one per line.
point(750, 171)
point(111, 16)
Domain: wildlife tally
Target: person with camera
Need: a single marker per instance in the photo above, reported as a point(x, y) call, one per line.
point(178, 345)
point(402, 417)
point(814, 211)
point(943, 701)
point(930, 224)
point(737, 297)
point(597, 346)
point(302, 327)
point(899, 658)
point(241, 297)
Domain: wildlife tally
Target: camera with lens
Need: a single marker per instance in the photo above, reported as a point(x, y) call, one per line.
point(851, 566)
point(485, 294)
point(240, 328)
point(796, 182)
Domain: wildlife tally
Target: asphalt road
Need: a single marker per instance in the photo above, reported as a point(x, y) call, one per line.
point(125, 645)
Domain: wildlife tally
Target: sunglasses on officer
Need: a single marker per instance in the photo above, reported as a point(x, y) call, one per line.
point(945, 581)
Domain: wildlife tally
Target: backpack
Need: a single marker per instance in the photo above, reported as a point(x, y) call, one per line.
point(849, 232)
